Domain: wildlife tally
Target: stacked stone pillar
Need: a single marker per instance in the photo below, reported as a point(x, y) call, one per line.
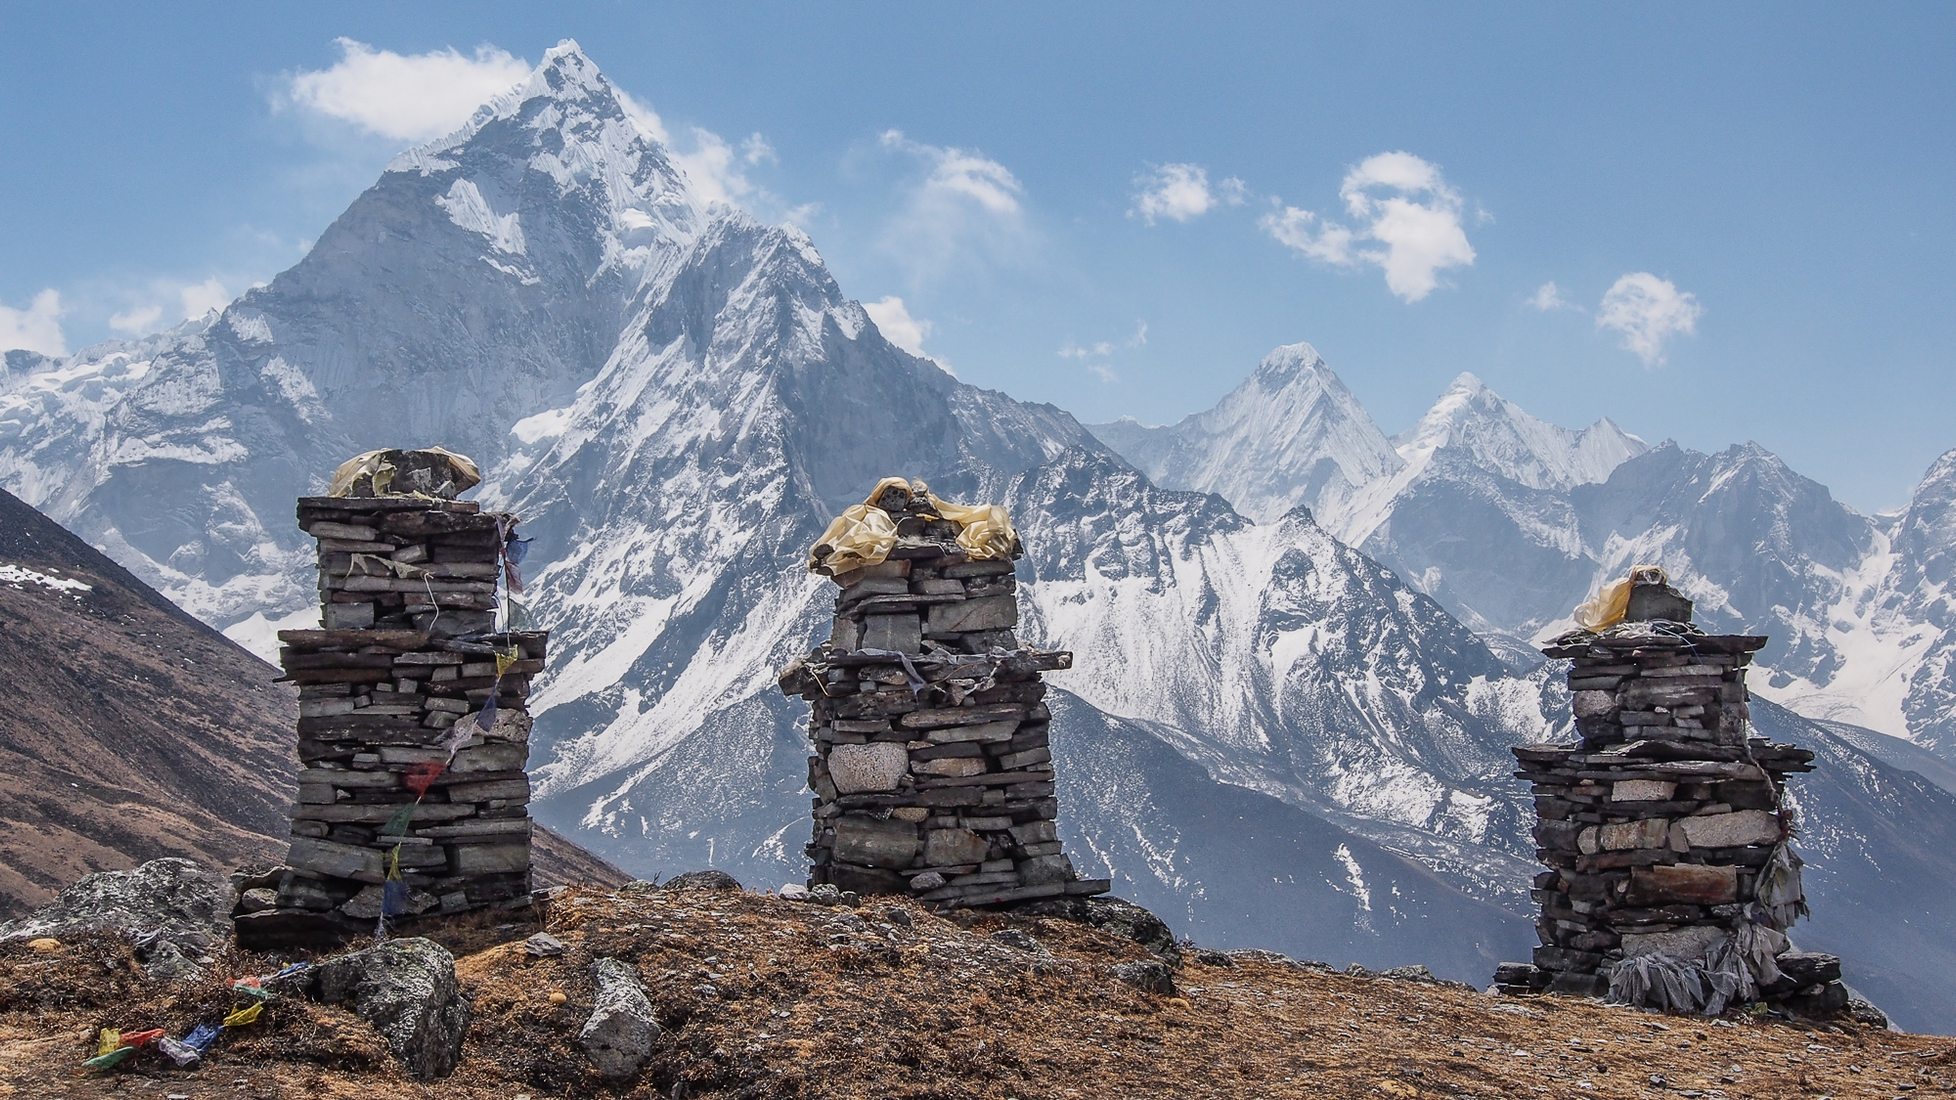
point(932, 772)
point(413, 732)
point(1664, 828)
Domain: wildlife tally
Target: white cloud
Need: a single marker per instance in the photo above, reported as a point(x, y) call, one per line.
point(963, 202)
point(1101, 349)
point(36, 328)
point(136, 320)
point(1094, 357)
point(200, 298)
point(714, 168)
point(1328, 241)
point(405, 97)
point(893, 319)
point(642, 116)
point(1181, 192)
point(1548, 298)
point(717, 170)
point(1404, 218)
point(193, 300)
point(756, 150)
point(1647, 312)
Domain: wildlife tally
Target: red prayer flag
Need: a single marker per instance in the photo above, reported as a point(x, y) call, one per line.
point(422, 776)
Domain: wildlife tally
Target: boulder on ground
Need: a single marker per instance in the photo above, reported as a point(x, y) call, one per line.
point(619, 1035)
point(1119, 916)
point(173, 910)
point(190, 905)
point(703, 880)
point(406, 989)
point(1148, 976)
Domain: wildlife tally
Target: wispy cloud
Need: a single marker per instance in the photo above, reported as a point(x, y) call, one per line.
point(959, 203)
point(167, 301)
point(1647, 312)
point(894, 320)
point(1548, 298)
point(718, 169)
point(1401, 217)
point(1095, 356)
point(35, 328)
point(136, 320)
point(1181, 192)
point(403, 97)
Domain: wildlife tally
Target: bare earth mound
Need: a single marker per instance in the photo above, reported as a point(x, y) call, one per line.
point(764, 997)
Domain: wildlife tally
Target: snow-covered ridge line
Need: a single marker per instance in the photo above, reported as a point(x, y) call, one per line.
point(1510, 521)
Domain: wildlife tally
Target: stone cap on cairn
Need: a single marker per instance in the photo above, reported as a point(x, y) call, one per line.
point(903, 520)
point(1643, 611)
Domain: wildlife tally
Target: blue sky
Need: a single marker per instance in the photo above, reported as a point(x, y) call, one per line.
point(1745, 211)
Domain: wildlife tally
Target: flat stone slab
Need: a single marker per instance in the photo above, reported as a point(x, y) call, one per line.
point(1739, 829)
point(873, 843)
point(983, 613)
point(877, 766)
point(1683, 882)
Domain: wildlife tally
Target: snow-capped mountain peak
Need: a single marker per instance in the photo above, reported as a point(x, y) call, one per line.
point(1291, 435)
point(1508, 441)
point(566, 123)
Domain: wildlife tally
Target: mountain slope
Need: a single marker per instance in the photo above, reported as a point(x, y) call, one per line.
point(129, 730)
point(758, 400)
point(483, 278)
point(1910, 611)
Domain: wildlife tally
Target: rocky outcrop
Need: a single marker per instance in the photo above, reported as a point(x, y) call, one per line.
point(406, 989)
point(174, 912)
point(176, 897)
point(702, 880)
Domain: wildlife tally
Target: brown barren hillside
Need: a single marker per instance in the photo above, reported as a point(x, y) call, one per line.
point(760, 996)
point(129, 730)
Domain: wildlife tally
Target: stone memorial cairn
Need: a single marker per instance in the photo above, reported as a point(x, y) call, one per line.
point(931, 772)
point(412, 733)
point(1671, 880)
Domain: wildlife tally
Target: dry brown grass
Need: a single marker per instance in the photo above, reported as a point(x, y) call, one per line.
point(766, 998)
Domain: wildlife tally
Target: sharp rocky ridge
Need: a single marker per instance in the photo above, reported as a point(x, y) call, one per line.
point(1268, 735)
